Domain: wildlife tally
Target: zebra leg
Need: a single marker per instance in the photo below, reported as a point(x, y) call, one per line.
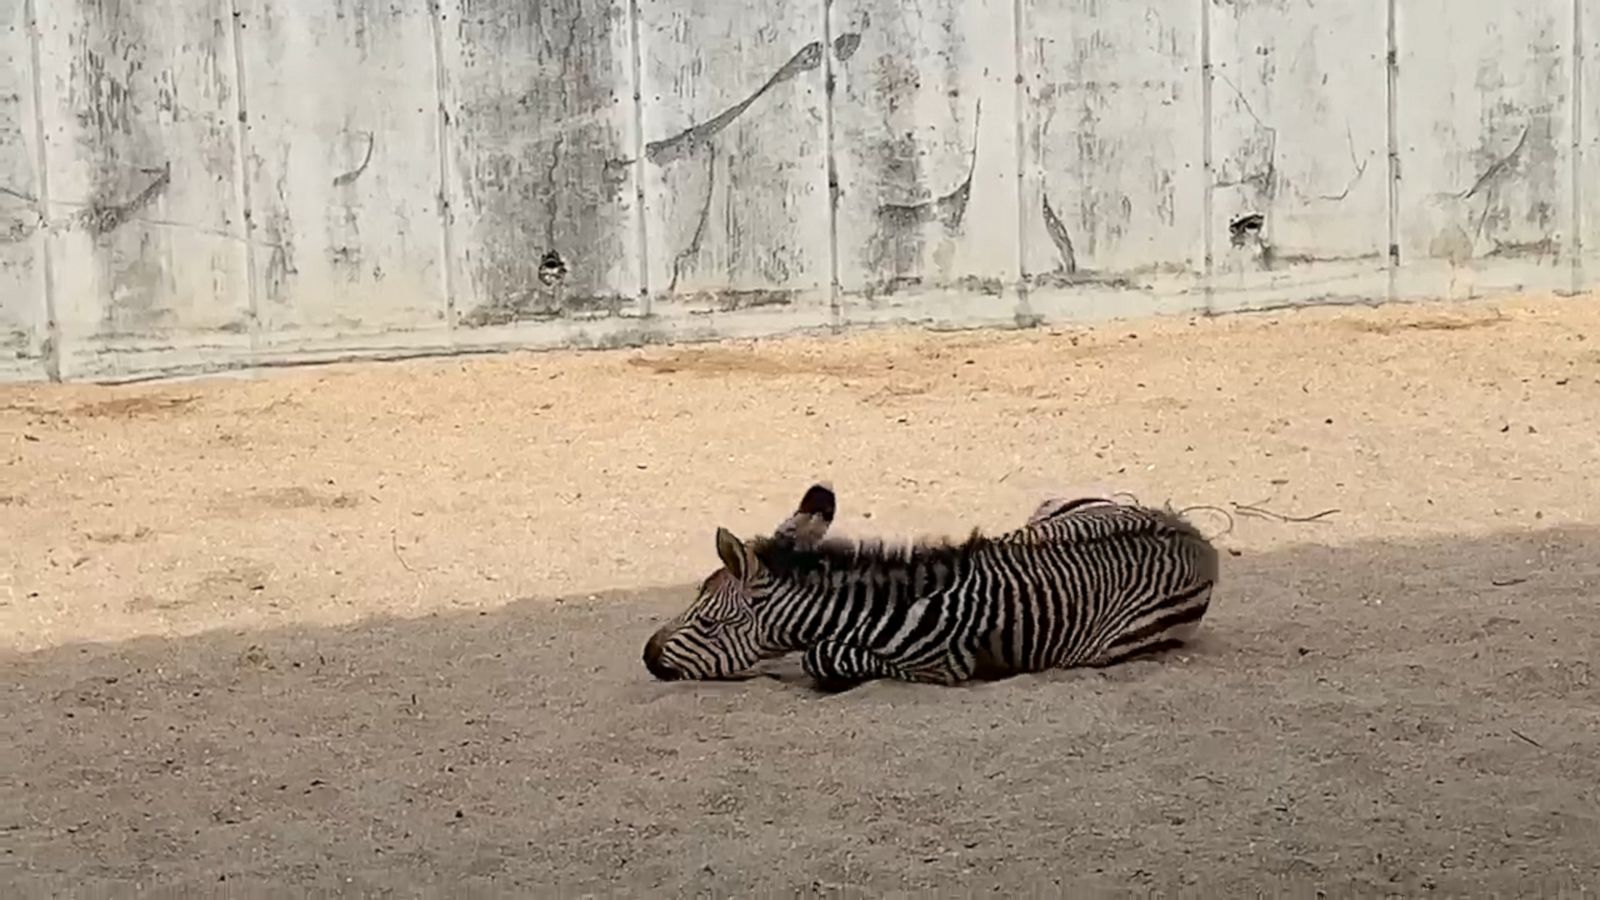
point(838, 666)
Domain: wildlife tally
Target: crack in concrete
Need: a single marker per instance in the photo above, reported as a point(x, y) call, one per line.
point(1360, 167)
point(1489, 182)
point(1498, 166)
point(682, 257)
point(552, 195)
point(366, 160)
point(1265, 180)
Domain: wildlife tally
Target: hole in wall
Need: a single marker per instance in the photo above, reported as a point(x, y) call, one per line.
point(552, 268)
point(1246, 228)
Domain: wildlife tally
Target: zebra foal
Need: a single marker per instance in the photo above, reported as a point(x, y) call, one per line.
point(1084, 582)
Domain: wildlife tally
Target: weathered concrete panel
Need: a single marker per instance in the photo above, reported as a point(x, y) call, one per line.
point(1484, 138)
point(1587, 183)
point(1114, 134)
point(22, 298)
point(344, 183)
point(1300, 150)
point(141, 126)
point(735, 156)
point(542, 191)
point(925, 150)
point(213, 183)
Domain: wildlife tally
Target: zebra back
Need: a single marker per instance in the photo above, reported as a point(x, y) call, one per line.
point(1089, 519)
point(1143, 576)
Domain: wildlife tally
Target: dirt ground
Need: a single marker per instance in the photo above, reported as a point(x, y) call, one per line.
point(376, 628)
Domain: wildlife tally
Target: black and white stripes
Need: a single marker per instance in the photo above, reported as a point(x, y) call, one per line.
point(1084, 582)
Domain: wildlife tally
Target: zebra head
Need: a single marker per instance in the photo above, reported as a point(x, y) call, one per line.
point(720, 635)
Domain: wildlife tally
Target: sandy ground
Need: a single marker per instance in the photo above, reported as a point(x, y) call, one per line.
point(373, 628)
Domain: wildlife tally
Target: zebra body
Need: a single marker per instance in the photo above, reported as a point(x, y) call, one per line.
point(1083, 582)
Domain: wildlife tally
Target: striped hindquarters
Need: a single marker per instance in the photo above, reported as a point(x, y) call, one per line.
point(1094, 584)
point(1169, 622)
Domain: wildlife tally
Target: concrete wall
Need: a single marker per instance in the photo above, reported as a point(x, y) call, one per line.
point(192, 184)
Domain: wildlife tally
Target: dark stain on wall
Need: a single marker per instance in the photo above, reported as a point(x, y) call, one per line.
point(900, 230)
point(1254, 163)
point(275, 231)
point(1060, 237)
point(907, 124)
point(717, 211)
point(22, 326)
point(1252, 167)
point(343, 187)
point(540, 158)
point(103, 216)
point(148, 126)
point(19, 216)
point(1512, 202)
point(846, 45)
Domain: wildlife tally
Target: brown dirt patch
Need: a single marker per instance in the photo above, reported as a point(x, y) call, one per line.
point(124, 407)
point(376, 627)
point(1428, 323)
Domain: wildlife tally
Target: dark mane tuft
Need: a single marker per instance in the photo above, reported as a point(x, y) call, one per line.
point(835, 554)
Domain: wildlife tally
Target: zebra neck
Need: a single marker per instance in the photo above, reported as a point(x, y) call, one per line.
point(797, 615)
point(843, 604)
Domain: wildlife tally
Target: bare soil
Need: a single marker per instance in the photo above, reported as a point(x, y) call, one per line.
point(376, 628)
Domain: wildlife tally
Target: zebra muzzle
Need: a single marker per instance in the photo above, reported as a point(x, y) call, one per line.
point(652, 660)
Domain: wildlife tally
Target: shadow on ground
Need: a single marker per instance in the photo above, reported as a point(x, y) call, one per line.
point(1375, 718)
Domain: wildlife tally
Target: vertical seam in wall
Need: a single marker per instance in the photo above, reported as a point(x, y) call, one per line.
point(1019, 97)
point(1207, 163)
point(1391, 66)
point(41, 162)
point(831, 172)
point(242, 172)
point(641, 223)
point(441, 96)
point(1575, 242)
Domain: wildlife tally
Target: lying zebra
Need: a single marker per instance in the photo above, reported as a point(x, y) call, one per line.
point(1085, 582)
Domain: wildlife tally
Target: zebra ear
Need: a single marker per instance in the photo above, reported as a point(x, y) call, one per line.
point(819, 501)
point(811, 520)
point(732, 552)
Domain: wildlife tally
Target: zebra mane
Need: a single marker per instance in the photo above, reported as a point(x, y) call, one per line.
point(869, 558)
